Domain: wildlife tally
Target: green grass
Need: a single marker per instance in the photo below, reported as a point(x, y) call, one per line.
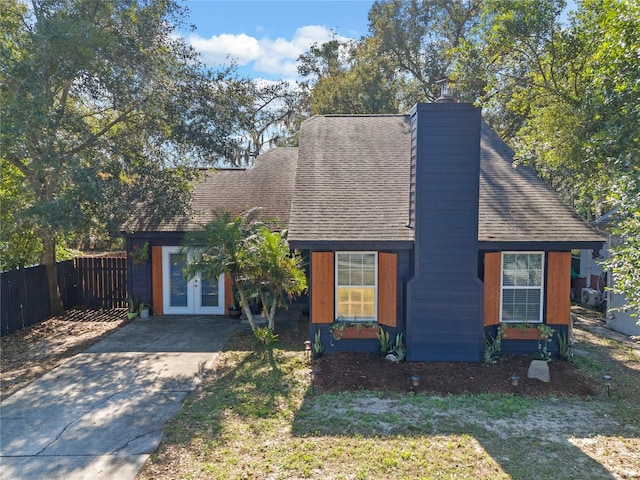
point(257, 416)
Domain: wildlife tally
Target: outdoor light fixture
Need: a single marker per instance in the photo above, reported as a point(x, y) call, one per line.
point(607, 382)
point(307, 349)
point(514, 380)
point(415, 380)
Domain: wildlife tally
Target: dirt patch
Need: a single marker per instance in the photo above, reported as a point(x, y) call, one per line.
point(33, 351)
point(349, 371)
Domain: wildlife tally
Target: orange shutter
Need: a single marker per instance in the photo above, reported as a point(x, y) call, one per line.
point(322, 287)
point(156, 279)
point(492, 266)
point(558, 288)
point(387, 289)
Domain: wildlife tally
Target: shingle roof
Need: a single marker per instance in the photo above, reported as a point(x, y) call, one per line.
point(267, 184)
point(353, 179)
point(353, 185)
point(517, 206)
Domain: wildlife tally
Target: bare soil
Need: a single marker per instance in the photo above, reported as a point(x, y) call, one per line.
point(348, 371)
point(29, 353)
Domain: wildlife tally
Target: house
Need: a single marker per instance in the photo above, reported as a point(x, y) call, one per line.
point(416, 223)
point(592, 285)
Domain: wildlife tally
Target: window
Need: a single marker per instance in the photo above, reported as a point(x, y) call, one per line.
point(521, 292)
point(356, 286)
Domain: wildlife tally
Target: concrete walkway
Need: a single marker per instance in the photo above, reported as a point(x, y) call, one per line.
point(100, 414)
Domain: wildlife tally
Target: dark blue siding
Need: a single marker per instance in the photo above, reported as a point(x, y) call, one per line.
point(444, 297)
point(140, 274)
point(529, 347)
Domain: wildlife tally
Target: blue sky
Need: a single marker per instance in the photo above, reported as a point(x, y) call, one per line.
point(265, 37)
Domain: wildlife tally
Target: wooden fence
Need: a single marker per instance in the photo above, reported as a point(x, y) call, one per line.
point(98, 282)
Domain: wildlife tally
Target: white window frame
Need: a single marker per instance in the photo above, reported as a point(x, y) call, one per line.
point(375, 288)
point(513, 287)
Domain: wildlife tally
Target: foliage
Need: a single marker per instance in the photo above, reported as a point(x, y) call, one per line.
point(385, 340)
point(564, 93)
point(318, 348)
point(411, 45)
point(267, 115)
point(493, 347)
point(266, 336)
point(398, 349)
point(257, 261)
point(624, 262)
point(274, 271)
point(564, 349)
point(221, 247)
point(546, 334)
point(140, 252)
point(107, 108)
point(337, 328)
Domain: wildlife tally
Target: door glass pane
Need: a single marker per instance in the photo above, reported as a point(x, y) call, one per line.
point(209, 293)
point(178, 286)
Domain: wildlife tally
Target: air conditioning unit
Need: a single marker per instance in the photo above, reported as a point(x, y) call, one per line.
point(590, 297)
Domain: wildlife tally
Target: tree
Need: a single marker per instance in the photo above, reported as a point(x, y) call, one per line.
point(366, 85)
point(256, 260)
point(268, 113)
point(420, 39)
point(410, 46)
point(102, 107)
point(624, 262)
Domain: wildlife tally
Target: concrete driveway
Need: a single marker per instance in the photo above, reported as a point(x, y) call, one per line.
point(101, 414)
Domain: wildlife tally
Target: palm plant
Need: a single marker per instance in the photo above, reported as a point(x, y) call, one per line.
point(275, 271)
point(221, 247)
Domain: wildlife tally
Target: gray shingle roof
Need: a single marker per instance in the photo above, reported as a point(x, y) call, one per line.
point(267, 184)
point(353, 185)
point(517, 206)
point(349, 182)
point(353, 179)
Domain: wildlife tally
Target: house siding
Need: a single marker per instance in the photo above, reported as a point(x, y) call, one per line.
point(444, 318)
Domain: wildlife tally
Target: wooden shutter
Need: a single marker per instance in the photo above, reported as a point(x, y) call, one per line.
point(156, 279)
point(322, 287)
point(228, 294)
point(492, 267)
point(387, 289)
point(558, 288)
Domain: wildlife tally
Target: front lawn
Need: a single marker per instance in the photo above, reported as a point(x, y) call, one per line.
point(257, 416)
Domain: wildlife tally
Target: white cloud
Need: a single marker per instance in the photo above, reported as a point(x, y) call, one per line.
point(272, 57)
point(219, 49)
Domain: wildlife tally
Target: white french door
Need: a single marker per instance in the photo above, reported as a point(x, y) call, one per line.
point(197, 296)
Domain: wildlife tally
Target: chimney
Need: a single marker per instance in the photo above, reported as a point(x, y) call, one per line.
point(444, 297)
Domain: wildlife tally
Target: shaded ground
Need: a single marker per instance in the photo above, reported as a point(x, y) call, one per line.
point(29, 353)
point(347, 371)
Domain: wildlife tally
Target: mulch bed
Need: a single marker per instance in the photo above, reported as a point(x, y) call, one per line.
point(349, 371)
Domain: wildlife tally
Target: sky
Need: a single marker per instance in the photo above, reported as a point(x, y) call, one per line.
point(265, 37)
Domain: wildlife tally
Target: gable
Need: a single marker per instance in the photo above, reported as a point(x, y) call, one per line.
point(268, 184)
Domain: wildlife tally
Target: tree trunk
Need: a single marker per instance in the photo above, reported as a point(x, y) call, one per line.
point(245, 306)
point(49, 261)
